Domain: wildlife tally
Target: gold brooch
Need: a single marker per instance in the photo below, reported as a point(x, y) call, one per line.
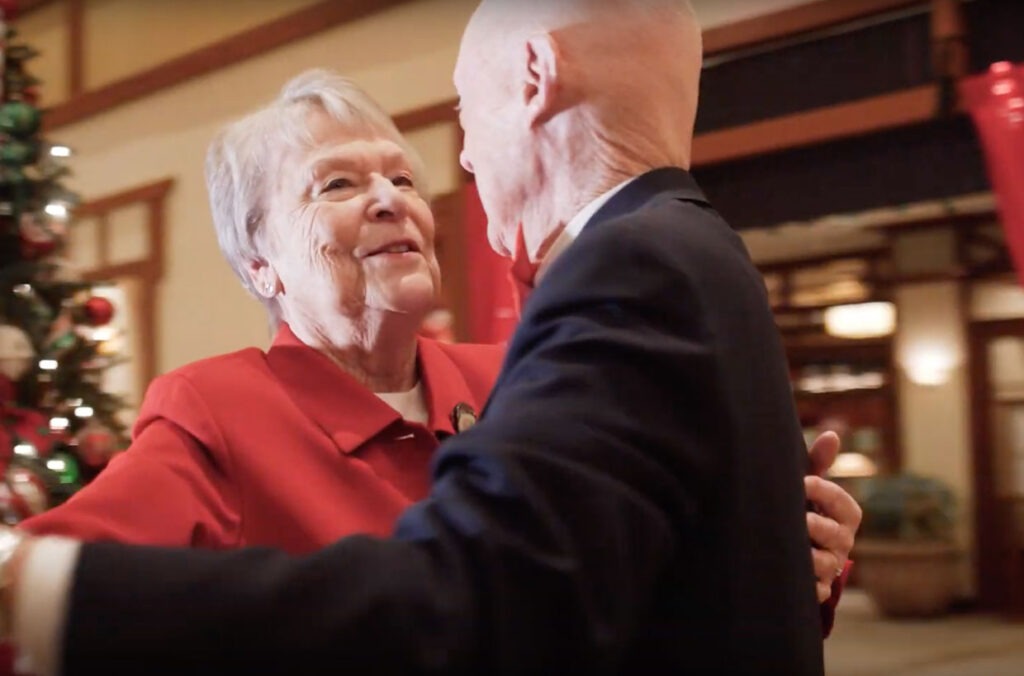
point(463, 417)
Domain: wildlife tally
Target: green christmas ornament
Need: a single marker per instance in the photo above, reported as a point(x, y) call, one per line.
point(18, 118)
point(19, 153)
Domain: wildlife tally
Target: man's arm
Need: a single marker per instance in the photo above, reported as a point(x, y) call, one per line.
point(541, 542)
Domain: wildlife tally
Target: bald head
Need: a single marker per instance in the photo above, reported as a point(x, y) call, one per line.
point(563, 99)
point(621, 58)
point(549, 15)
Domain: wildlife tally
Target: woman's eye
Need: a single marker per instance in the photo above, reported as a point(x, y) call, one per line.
point(402, 181)
point(337, 184)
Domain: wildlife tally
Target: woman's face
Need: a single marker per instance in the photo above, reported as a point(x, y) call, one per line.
point(347, 231)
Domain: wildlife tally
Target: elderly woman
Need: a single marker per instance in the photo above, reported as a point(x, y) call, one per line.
point(320, 208)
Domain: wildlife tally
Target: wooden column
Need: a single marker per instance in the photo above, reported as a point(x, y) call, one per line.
point(949, 50)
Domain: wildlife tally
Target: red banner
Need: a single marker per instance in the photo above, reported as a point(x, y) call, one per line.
point(492, 309)
point(995, 101)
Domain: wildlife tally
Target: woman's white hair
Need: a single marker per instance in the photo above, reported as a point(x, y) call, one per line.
point(243, 157)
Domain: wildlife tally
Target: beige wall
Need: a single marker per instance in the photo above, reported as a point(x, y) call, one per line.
point(935, 418)
point(1002, 299)
point(124, 37)
point(202, 309)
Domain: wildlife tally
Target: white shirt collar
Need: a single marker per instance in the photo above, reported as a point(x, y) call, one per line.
point(574, 227)
point(411, 404)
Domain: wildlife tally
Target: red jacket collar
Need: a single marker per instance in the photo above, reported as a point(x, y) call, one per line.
point(344, 408)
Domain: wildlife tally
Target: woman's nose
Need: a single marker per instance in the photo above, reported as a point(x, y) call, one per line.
point(387, 200)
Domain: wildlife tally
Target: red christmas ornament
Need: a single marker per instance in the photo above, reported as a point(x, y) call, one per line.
point(36, 250)
point(30, 95)
point(38, 238)
point(9, 9)
point(96, 444)
point(98, 311)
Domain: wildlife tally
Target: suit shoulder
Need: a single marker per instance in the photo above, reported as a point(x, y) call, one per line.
point(663, 220)
point(683, 235)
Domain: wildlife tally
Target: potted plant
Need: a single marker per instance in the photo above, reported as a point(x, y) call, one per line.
point(906, 556)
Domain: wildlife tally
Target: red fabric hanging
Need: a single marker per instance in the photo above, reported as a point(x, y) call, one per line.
point(995, 101)
point(491, 300)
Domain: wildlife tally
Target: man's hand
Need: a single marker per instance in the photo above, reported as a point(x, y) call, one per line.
point(832, 529)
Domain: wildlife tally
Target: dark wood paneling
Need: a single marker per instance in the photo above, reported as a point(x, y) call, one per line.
point(817, 126)
point(801, 19)
point(899, 166)
point(854, 64)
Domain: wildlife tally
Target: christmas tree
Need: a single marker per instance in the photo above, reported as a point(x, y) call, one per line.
point(58, 427)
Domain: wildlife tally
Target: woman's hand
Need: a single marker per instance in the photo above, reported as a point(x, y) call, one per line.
point(833, 525)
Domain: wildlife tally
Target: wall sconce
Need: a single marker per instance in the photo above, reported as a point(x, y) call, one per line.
point(860, 320)
point(929, 366)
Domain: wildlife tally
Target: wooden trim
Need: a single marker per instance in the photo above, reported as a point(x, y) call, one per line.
point(28, 6)
point(103, 239)
point(991, 593)
point(954, 274)
point(146, 193)
point(148, 270)
point(427, 116)
point(790, 264)
point(796, 20)
point(964, 220)
point(949, 39)
point(76, 47)
point(866, 116)
point(229, 51)
point(109, 272)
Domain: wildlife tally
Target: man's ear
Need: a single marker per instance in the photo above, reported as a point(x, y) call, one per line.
point(540, 93)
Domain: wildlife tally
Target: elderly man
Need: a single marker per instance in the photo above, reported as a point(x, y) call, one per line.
point(631, 499)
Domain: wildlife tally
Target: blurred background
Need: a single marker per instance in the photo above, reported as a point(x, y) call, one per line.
point(839, 137)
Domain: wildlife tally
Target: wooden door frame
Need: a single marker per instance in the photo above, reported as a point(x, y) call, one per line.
point(148, 270)
point(991, 595)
